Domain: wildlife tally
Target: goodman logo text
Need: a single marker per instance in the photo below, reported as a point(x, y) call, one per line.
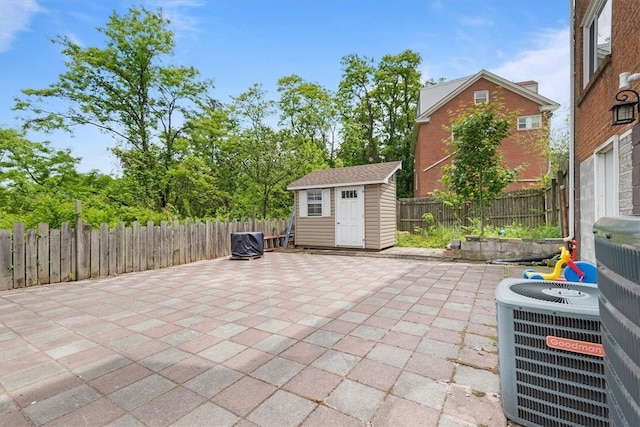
point(583, 347)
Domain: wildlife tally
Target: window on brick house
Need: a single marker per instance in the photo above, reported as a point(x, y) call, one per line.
point(481, 97)
point(529, 122)
point(596, 36)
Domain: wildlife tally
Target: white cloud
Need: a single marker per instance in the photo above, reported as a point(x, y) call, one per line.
point(15, 16)
point(176, 11)
point(546, 62)
point(475, 22)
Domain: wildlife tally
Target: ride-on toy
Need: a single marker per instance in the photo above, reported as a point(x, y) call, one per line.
point(575, 271)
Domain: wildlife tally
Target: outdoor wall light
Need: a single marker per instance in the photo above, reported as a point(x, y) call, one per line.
point(624, 111)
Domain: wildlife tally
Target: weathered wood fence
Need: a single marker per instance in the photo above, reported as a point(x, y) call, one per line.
point(44, 256)
point(530, 208)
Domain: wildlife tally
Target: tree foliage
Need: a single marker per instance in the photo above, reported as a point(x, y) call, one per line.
point(378, 106)
point(476, 174)
point(185, 154)
point(125, 90)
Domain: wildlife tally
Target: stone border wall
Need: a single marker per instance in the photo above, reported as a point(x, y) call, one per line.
point(475, 248)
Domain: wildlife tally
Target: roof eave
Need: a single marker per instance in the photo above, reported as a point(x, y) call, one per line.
point(385, 180)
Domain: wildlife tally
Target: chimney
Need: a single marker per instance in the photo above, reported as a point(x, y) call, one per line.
point(529, 84)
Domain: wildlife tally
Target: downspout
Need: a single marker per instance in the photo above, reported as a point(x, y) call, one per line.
point(572, 77)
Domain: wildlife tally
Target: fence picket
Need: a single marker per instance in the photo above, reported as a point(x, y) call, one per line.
point(43, 253)
point(104, 250)
point(6, 261)
point(19, 266)
point(135, 246)
point(120, 249)
point(66, 249)
point(95, 252)
point(54, 256)
point(31, 258)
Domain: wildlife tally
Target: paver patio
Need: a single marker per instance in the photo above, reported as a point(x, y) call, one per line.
point(285, 340)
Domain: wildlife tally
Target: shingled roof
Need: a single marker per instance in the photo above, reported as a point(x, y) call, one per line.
point(378, 173)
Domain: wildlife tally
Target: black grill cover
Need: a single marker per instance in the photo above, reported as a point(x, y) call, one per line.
point(247, 244)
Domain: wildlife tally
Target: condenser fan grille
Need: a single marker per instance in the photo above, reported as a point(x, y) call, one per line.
point(555, 387)
point(567, 293)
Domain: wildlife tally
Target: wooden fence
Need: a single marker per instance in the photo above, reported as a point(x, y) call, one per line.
point(530, 208)
point(44, 256)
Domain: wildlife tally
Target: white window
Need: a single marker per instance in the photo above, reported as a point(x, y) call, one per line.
point(596, 36)
point(316, 202)
point(606, 179)
point(481, 96)
point(529, 122)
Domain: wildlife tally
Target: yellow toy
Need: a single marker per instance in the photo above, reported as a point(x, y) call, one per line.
point(575, 271)
point(565, 256)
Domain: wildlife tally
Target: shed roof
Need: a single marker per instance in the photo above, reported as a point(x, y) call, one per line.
point(378, 173)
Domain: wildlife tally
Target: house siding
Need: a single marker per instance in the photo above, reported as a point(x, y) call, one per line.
point(315, 231)
point(520, 149)
point(592, 118)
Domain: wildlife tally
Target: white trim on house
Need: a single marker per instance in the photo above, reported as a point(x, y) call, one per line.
point(606, 182)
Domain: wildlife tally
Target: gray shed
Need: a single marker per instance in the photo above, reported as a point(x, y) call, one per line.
point(352, 207)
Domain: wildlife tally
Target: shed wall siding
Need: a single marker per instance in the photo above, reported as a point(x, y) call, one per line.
point(372, 216)
point(315, 231)
point(387, 215)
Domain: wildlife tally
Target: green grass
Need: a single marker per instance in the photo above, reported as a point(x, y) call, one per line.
point(438, 236)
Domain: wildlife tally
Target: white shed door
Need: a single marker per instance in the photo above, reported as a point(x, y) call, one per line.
point(350, 216)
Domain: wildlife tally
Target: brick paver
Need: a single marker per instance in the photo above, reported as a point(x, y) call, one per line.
point(285, 340)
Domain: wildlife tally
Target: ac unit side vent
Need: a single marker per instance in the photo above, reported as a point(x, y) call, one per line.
point(618, 258)
point(621, 293)
point(622, 335)
point(623, 381)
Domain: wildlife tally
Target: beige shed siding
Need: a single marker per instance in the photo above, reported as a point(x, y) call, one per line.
point(372, 216)
point(387, 215)
point(315, 231)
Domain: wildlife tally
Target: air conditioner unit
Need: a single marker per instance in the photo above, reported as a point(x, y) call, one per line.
point(550, 353)
point(617, 245)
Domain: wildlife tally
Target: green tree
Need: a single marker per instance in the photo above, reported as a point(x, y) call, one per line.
point(397, 89)
point(378, 104)
point(476, 174)
point(125, 90)
point(559, 147)
point(265, 160)
point(37, 182)
point(360, 146)
point(309, 110)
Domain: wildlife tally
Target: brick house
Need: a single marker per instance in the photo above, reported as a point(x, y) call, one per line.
point(606, 158)
point(525, 147)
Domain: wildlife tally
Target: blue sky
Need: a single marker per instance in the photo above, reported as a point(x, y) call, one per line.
point(240, 42)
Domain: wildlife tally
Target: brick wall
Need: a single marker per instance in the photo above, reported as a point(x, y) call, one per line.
point(592, 115)
point(522, 148)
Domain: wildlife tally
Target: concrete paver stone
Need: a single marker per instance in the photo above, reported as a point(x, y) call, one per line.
point(385, 339)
